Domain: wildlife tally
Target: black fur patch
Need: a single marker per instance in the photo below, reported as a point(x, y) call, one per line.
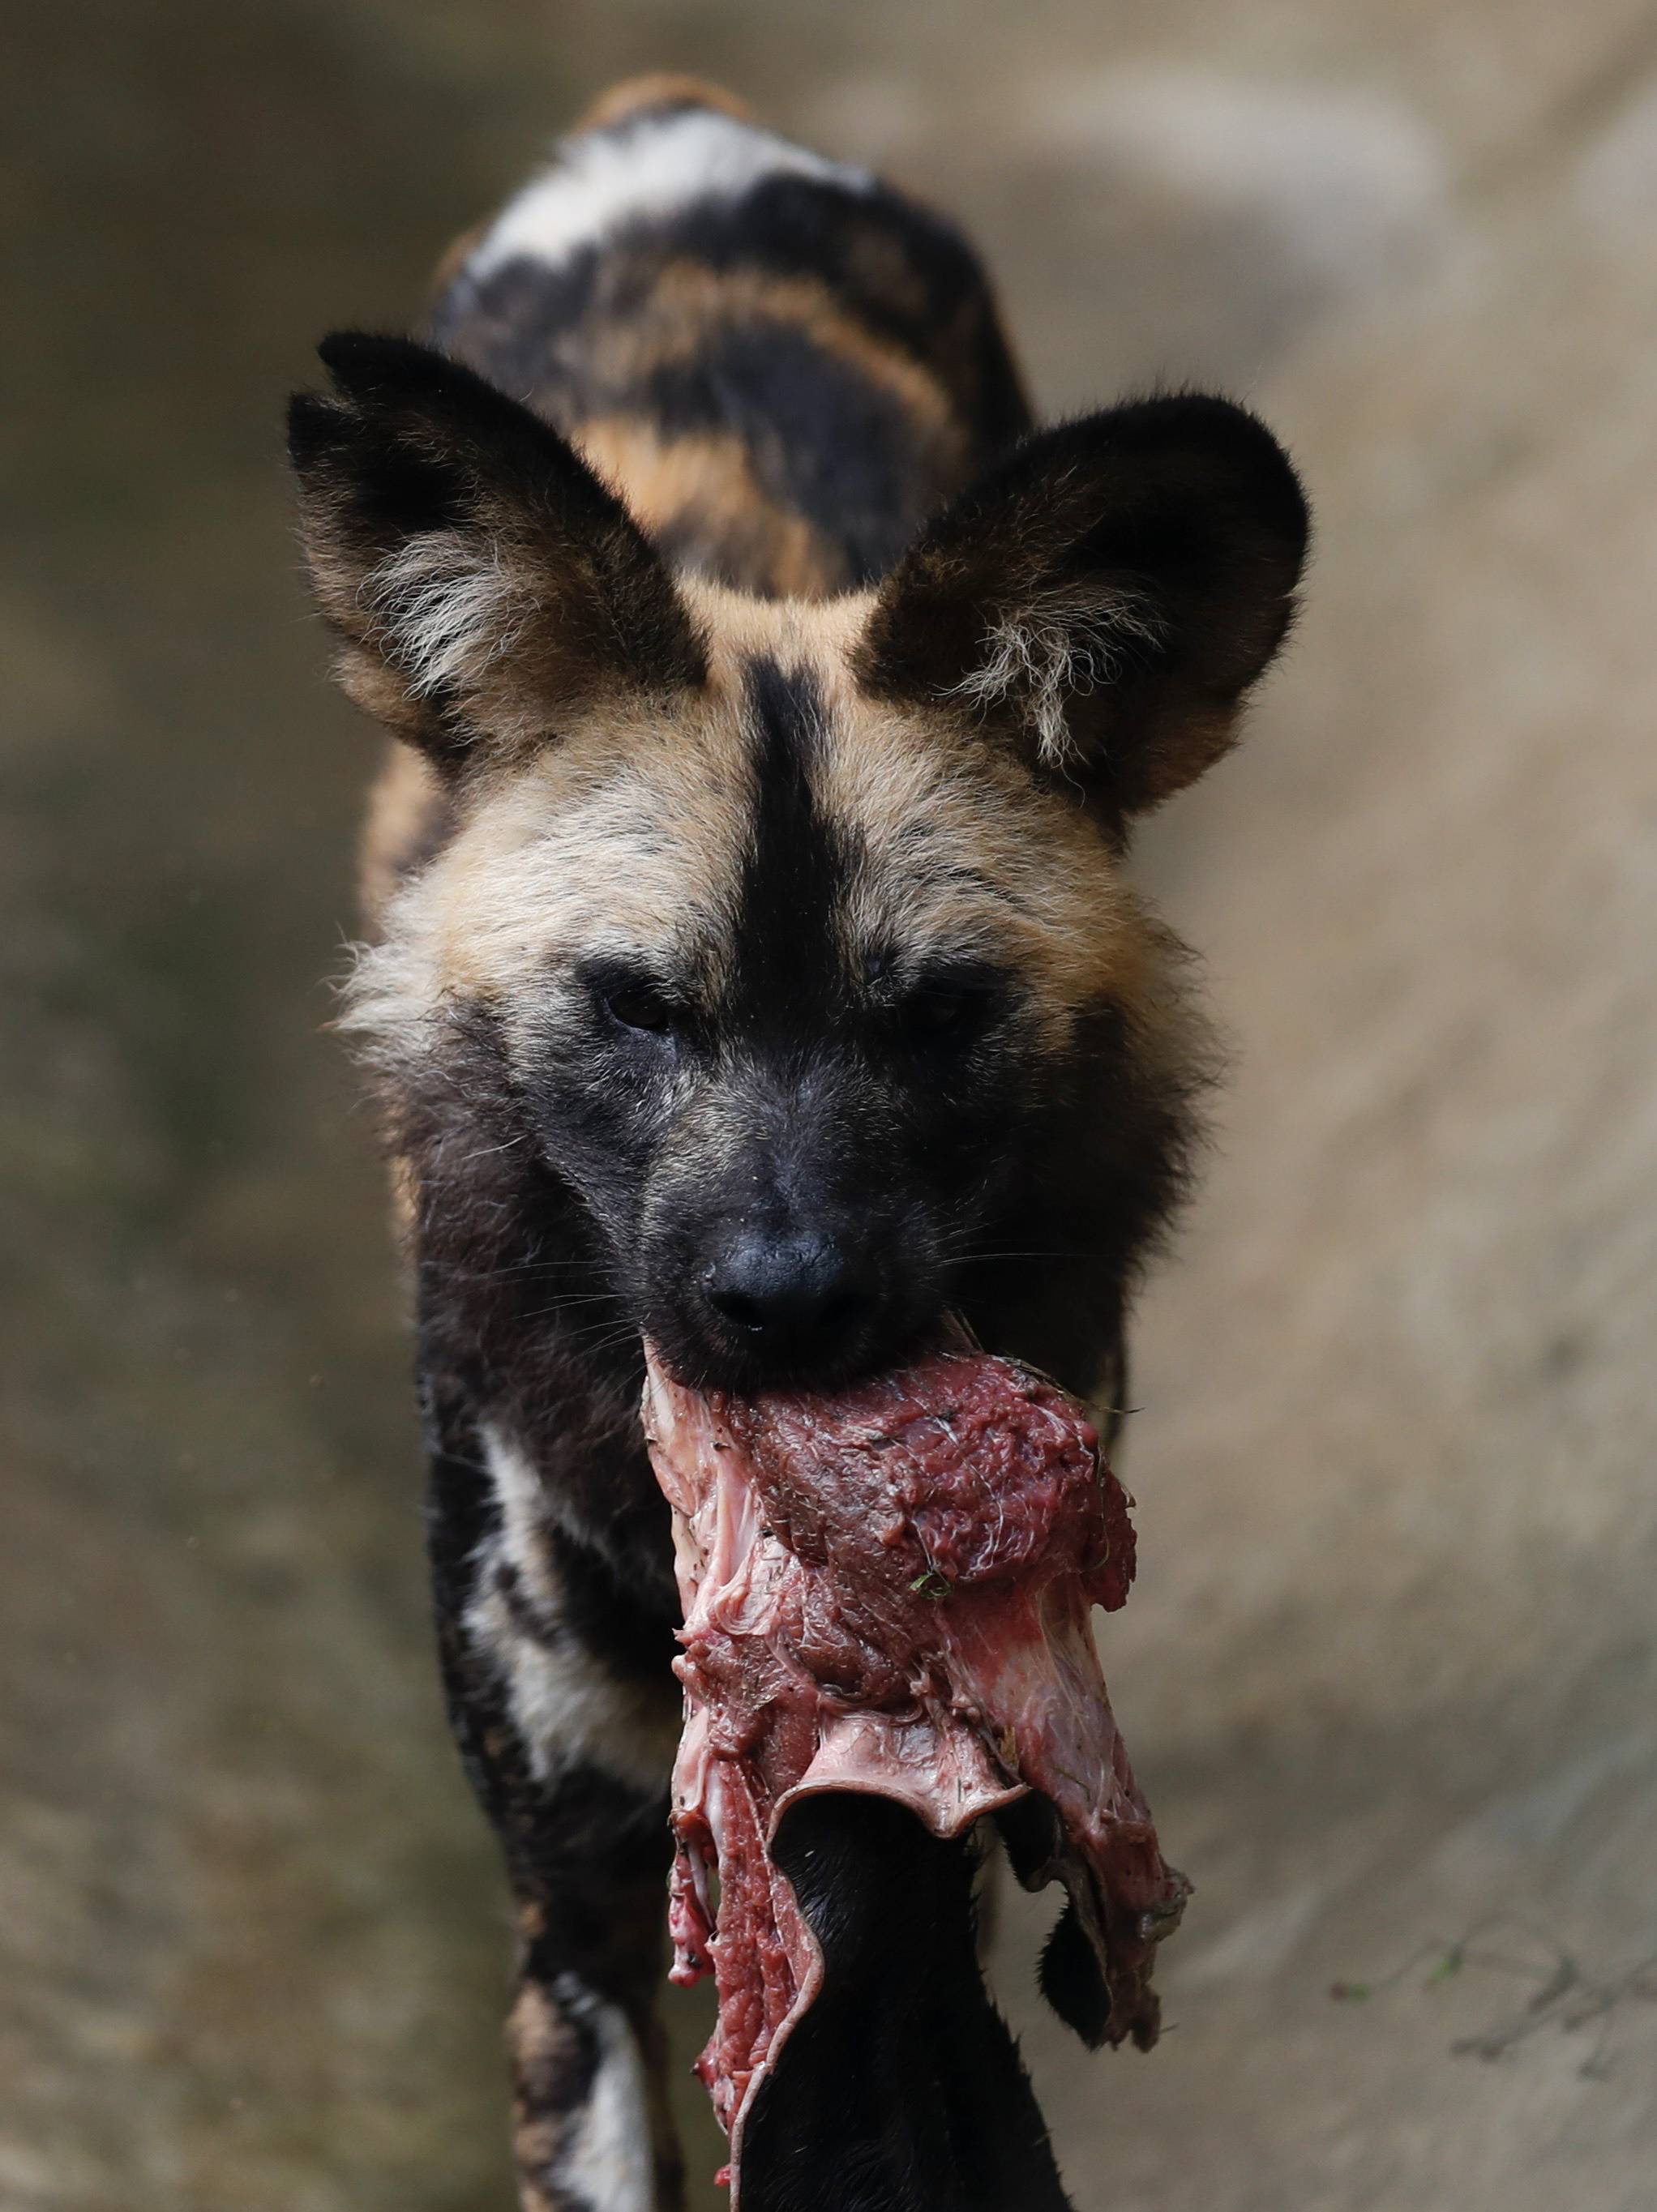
point(589, 1849)
point(508, 1268)
point(1071, 1980)
point(790, 979)
point(826, 439)
point(901, 2089)
point(905, 270)
point(514, 327)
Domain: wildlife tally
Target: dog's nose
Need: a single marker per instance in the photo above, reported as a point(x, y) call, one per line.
point(796, 1283)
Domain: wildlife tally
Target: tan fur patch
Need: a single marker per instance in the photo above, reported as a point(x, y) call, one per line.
point(796, 633)
point(406, 808)
point(599, 2153)
point(706, 482)
point(966, 852)
point(624, 836)
point(690, 302)
point(455, 256)
point(636, 95)
point(545, 2046)
point(704, 490)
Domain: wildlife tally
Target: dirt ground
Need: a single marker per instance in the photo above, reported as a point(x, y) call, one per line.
point(1390, 1675)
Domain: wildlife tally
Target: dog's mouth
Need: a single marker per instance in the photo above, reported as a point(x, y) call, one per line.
point(887, 1593)
point(709, 1350)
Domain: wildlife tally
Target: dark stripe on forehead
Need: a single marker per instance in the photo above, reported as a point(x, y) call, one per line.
point(789, 973)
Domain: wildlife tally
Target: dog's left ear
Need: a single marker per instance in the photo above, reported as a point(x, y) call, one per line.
point(1105, 597)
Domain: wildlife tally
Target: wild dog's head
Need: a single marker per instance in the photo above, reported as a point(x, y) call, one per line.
point(801, 925)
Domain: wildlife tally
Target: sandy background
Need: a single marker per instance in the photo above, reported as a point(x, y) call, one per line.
point(1390, 1673)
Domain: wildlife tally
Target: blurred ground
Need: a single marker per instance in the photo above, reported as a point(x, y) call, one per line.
point(1390, 1667)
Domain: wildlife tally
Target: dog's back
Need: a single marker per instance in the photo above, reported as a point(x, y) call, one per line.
point(784, 365)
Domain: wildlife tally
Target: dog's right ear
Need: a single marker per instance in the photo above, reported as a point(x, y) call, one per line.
point(483, 583)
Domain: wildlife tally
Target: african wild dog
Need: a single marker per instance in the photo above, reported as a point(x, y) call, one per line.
point(752, 966)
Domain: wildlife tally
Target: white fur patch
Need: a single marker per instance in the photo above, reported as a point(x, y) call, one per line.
point(450, 605)
point(567, 1706)
point(387, 1000)
point(608, 2161)
point(1058, 648)
point(653, 167)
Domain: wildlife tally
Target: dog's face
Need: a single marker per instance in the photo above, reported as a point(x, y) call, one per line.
point(782, 974)
point(801, 925)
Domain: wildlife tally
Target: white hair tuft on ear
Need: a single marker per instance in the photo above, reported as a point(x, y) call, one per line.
point(449, 604)
point(1062, 646)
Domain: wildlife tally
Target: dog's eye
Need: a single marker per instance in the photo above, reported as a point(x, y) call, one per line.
point(947, 1008)
point(935, 1013)
point(635, 1003)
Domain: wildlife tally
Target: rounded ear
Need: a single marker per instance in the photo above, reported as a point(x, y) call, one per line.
point(481, 578)
point(1105, 597)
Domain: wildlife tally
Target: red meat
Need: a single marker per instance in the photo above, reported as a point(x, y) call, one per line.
point(889, 1588)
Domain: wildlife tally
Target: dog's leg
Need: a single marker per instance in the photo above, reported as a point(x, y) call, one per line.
point(591, 2131)
point(901, 2089)
point(561, 1696)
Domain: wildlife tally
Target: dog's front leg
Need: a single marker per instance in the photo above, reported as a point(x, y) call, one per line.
point(591, 2131)
point(561, 1695)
